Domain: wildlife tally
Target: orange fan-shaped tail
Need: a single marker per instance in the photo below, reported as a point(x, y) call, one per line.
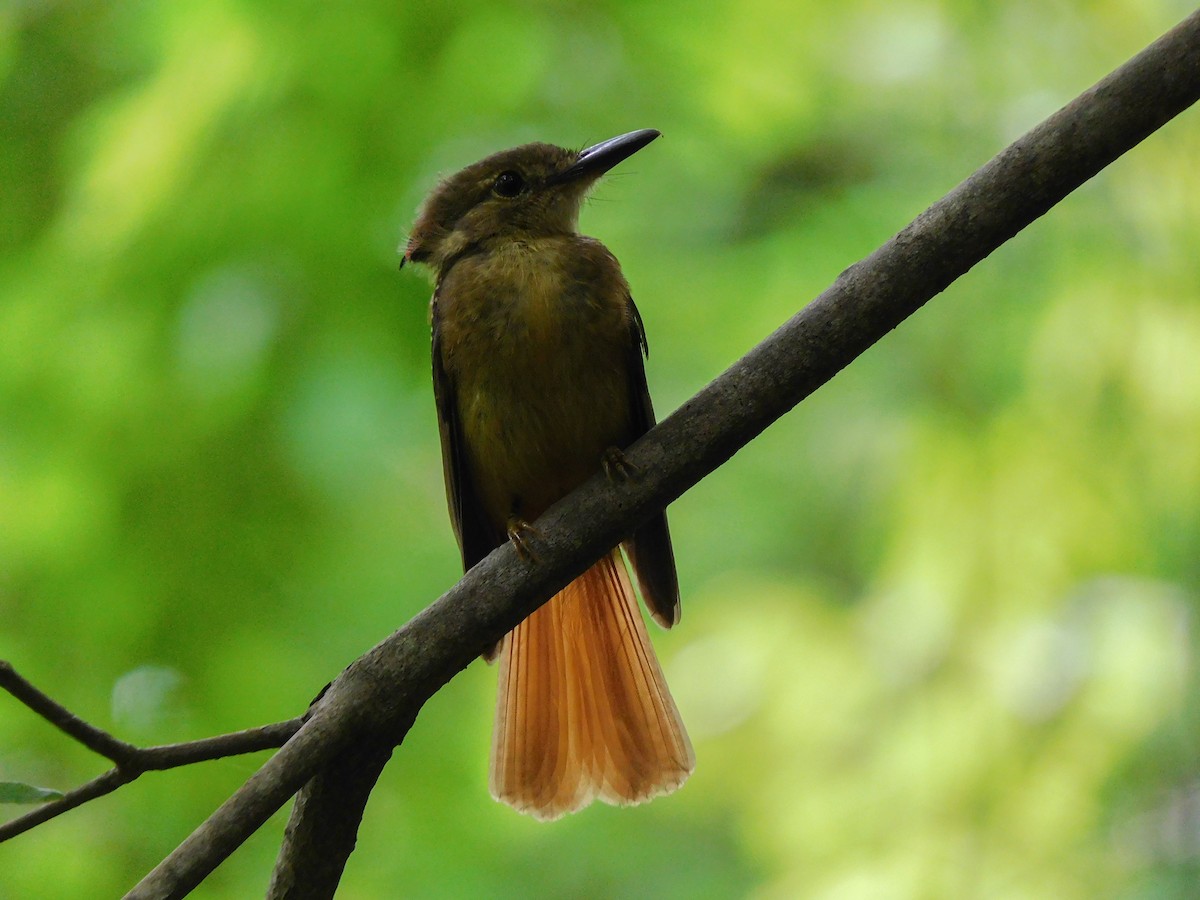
point(583, 710)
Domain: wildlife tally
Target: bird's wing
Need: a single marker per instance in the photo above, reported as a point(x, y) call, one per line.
point(649, 548)
point(475, 538)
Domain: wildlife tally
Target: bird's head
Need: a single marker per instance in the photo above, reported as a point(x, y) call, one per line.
point(529, 191)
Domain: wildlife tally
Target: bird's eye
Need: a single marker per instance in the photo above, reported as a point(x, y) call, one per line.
point(508, 184)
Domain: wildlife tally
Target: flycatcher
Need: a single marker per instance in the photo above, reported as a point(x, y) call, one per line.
point(539, 382)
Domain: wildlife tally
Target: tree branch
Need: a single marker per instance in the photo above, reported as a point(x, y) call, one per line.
point(377, 696)
point(323, 827)
point(131, 761)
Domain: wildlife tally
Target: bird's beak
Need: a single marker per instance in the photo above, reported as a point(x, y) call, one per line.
point(599, 158)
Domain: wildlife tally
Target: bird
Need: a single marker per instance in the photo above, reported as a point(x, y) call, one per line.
point(539, 382)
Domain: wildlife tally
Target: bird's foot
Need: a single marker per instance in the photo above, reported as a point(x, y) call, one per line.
point(617, 467)
point(520, 534)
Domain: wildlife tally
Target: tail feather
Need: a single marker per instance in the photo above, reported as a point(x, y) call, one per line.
point(583, 710)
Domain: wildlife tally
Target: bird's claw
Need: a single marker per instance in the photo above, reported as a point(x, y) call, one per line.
point(519, 534)
point(617, 467)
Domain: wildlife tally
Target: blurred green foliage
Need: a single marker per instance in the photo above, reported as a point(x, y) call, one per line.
point(939, 632)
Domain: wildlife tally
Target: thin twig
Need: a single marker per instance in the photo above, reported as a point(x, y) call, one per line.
point(131, 761)
point(56, 714)
point(97, 787)
point(249, 740)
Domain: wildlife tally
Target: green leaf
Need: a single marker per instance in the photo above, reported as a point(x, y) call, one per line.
point(16, 792)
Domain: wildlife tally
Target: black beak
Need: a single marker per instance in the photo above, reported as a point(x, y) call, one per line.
point(599, 158)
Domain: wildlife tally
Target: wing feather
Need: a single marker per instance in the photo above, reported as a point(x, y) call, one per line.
point(649, 548)
point(476, 537)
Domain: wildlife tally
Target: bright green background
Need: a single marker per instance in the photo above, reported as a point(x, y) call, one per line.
point(938, 638)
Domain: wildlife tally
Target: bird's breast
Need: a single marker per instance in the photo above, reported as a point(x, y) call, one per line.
point(535, 340)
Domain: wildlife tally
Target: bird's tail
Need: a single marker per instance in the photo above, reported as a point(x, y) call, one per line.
point(583, 710)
